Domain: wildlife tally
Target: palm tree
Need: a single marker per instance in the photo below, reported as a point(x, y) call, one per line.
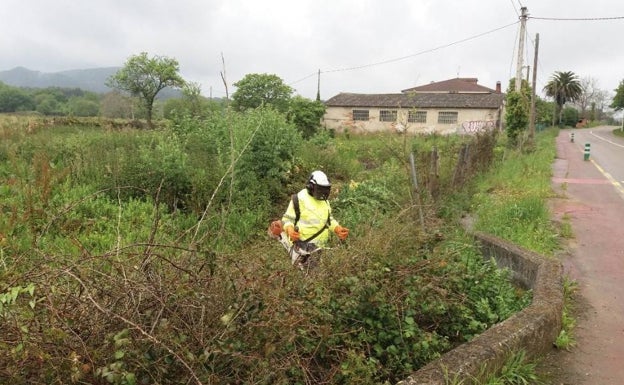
point(563, 87)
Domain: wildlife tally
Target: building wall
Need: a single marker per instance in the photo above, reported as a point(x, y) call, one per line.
point(468, 121)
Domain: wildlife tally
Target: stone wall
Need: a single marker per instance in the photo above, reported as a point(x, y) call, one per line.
point(533, 329)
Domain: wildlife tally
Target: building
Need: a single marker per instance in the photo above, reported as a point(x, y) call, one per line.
point(457, 105)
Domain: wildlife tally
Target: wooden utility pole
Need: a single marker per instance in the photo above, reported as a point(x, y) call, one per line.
point(318, 86)
point(523, 19)
point(533, 85)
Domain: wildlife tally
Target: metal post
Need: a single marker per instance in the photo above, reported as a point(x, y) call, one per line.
point(572, 137)
point(586, 153)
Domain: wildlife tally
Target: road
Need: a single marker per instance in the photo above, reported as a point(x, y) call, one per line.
point(606, 152)
point(591, 198)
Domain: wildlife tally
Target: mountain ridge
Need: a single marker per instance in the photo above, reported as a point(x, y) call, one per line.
point(91, 79)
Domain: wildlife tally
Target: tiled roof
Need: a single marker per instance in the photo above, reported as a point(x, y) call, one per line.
point(461, 85)
point(417, 100)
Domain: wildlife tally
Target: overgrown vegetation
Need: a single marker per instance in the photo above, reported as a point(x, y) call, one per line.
point(511, 200)
point(132, 256)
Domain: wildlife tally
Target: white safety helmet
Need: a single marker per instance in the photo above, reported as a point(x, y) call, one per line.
point(318, 185)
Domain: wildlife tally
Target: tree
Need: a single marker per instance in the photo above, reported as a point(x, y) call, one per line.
point(145, 77)
point(589, 90)
point(13, 99)
point(306, 114)
point(618, 99)
point(83, 107)
point(570, 116)
point(192, 103)
point(563, 87)
point(544, 111)
point(255, 90)
point(115, 105)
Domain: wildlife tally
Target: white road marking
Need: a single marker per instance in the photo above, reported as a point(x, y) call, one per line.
point(606, 140)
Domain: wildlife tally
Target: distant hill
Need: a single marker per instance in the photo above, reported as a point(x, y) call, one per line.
point(88, 79)
point(93, 79)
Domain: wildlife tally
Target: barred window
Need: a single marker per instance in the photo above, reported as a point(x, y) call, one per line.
point(360, 114)
point(417, 117)
point(447, 117)
point(387, 116)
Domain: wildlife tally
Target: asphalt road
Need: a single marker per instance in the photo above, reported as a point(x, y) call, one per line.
point(606, 152)
point(591, 199)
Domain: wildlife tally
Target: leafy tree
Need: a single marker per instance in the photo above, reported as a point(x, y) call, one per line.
point(306, 114)
point(517, 115)
point(618, 99)
point(570, 116)
point(563, 87)
point(49, 105)
point(13, 99)
point(544, 111)
point(145, 77)
point(255, 90)
point(83, 107)
point(192, 103)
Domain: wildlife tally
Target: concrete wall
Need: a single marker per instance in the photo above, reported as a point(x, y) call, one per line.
point(533, 330)
point(468, 121)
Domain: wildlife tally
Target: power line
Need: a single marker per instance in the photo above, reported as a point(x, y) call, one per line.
point(421, 52)
point(577, 19)
point(514, 7)
point(408, 56)
point(513, 53)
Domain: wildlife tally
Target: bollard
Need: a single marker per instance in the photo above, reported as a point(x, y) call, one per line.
point(572, 137)
point(586, 153)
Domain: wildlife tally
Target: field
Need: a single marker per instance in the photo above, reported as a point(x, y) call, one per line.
point(130, 256)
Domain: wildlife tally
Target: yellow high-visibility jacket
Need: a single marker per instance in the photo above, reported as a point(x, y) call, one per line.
point(314, 216)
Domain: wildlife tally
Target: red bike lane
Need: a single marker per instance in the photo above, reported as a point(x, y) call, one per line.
point(594, 258)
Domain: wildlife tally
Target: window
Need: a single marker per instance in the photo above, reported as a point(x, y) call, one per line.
point(447, 117)
point(387, 116)
point(417, 117)
point(360, 114)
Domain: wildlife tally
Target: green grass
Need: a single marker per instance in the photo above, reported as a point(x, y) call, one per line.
point(511, 200)
point(565, 339)
point(517, 370)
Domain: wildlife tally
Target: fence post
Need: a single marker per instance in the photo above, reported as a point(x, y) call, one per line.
point(586, 153)
point(416, 190)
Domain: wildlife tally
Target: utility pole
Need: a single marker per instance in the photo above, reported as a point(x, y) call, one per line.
point(533, 85)
point(523, 19)
point(318, 86)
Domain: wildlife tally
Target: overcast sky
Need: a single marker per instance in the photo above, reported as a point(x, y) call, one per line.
point(362, 46)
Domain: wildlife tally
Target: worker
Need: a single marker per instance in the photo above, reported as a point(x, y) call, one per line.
point(308, 221)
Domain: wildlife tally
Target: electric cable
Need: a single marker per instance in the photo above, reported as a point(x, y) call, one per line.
point(407, 56)
point(577, 19)
point(514, 7)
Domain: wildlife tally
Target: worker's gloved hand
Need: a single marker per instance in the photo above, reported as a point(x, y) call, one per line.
point(341, 232)
point(292, 233)
point(276, 228)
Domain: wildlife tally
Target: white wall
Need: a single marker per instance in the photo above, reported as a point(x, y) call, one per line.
point(468, 121)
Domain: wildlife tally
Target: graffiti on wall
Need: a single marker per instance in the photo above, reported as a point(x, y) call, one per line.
point(474, 126)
